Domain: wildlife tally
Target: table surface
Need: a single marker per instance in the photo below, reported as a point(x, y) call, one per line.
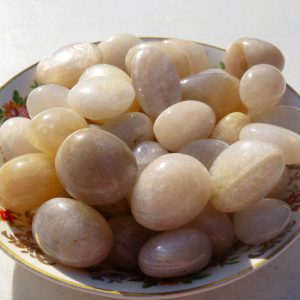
point(30, 29)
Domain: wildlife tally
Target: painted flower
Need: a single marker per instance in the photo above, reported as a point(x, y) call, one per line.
point(7, 215)
point(13, 109)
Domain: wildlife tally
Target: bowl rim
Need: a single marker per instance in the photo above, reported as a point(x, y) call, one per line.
point(157, 295)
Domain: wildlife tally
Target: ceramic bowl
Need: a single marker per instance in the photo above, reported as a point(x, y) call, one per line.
point(16, 238)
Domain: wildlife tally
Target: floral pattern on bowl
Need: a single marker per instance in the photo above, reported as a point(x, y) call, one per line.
point(17, 241)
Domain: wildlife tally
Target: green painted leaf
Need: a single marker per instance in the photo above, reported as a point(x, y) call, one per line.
point(34, 85)
point(222, 65)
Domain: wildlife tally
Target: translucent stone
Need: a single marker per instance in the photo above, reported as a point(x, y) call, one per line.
point(183, 123)
point(206, 150)
point(287, 140)
point(146, 152)
point(195, 52)
point(115, 48)
point(65, 65)
point(132, 128)
point(281, 115)
point(281, 185)
point(132, 52)
point(104, 70)
point(218, 227)
point(216, 88)
point(177, 185)
point(95, 166)
point(71, 232)
point(49, 129)
point(175, 253)
point(96, 126)
point(229, 127)
point(261, 222)
point(244, 173)
point(244, 53)
point(129, 237)
point(101, 98)
point(262, 86)
point(27, 181)
point(115, 209)
point(45, 97)
point(13, 139)
point(155, 81)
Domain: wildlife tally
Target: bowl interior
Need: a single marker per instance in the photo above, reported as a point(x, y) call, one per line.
point(16, 238)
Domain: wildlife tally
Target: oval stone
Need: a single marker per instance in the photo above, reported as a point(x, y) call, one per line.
point(175, 253)
point(65, 65)
point(177, 185)
point(244, 173)
point(287, 140)
point(155, 80)
point(244, 53)
point(261, 222)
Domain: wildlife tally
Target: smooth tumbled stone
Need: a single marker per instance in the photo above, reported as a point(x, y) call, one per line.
point(13, 138)
point(45, 97)
point(175, 253)
point(132, 128)
point(115, 209)
point(155, 80)
point(129, 237)
point(177, 185)
point(183, 123)
point(262, 86)
point(115, 48)
point(261, 222)
point(206, 150)
point(244, 173)
point(104, 70)
point(281, 115)
point(218, 228)
point(49, 129)
point(27, 181)
point(215, 87)
point(287, 140)
point(281, 185)
point(229, 127)
point(65, 65)
point(95, 166)
point(244, 53)
point(101, 98)
point(195, 52)
point(146, 152)
point(71, 232)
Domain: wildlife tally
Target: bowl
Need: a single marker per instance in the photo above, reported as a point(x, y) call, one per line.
point(16, 237)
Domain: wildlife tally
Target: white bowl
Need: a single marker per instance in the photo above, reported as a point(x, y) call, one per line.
point(16, 239)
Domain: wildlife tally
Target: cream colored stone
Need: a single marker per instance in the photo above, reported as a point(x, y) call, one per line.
point(175, 253)
point(132, 128)
point(244, 173)
point(115, 48)
point(244, 53)
point(261, 222)
point(45, 97)
point(13, 138)
point(262, 86)
point(229, 127)
point(183, 123)
point(104, 70)
point(65, 65)
point(27, 181)
point(71, 232)
point(177, 185)
point(216, 88)
point(49, 129)
point(195, 52)
point(287, 140)
point(101, 98)
point(205, 150)
point(155, 81)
